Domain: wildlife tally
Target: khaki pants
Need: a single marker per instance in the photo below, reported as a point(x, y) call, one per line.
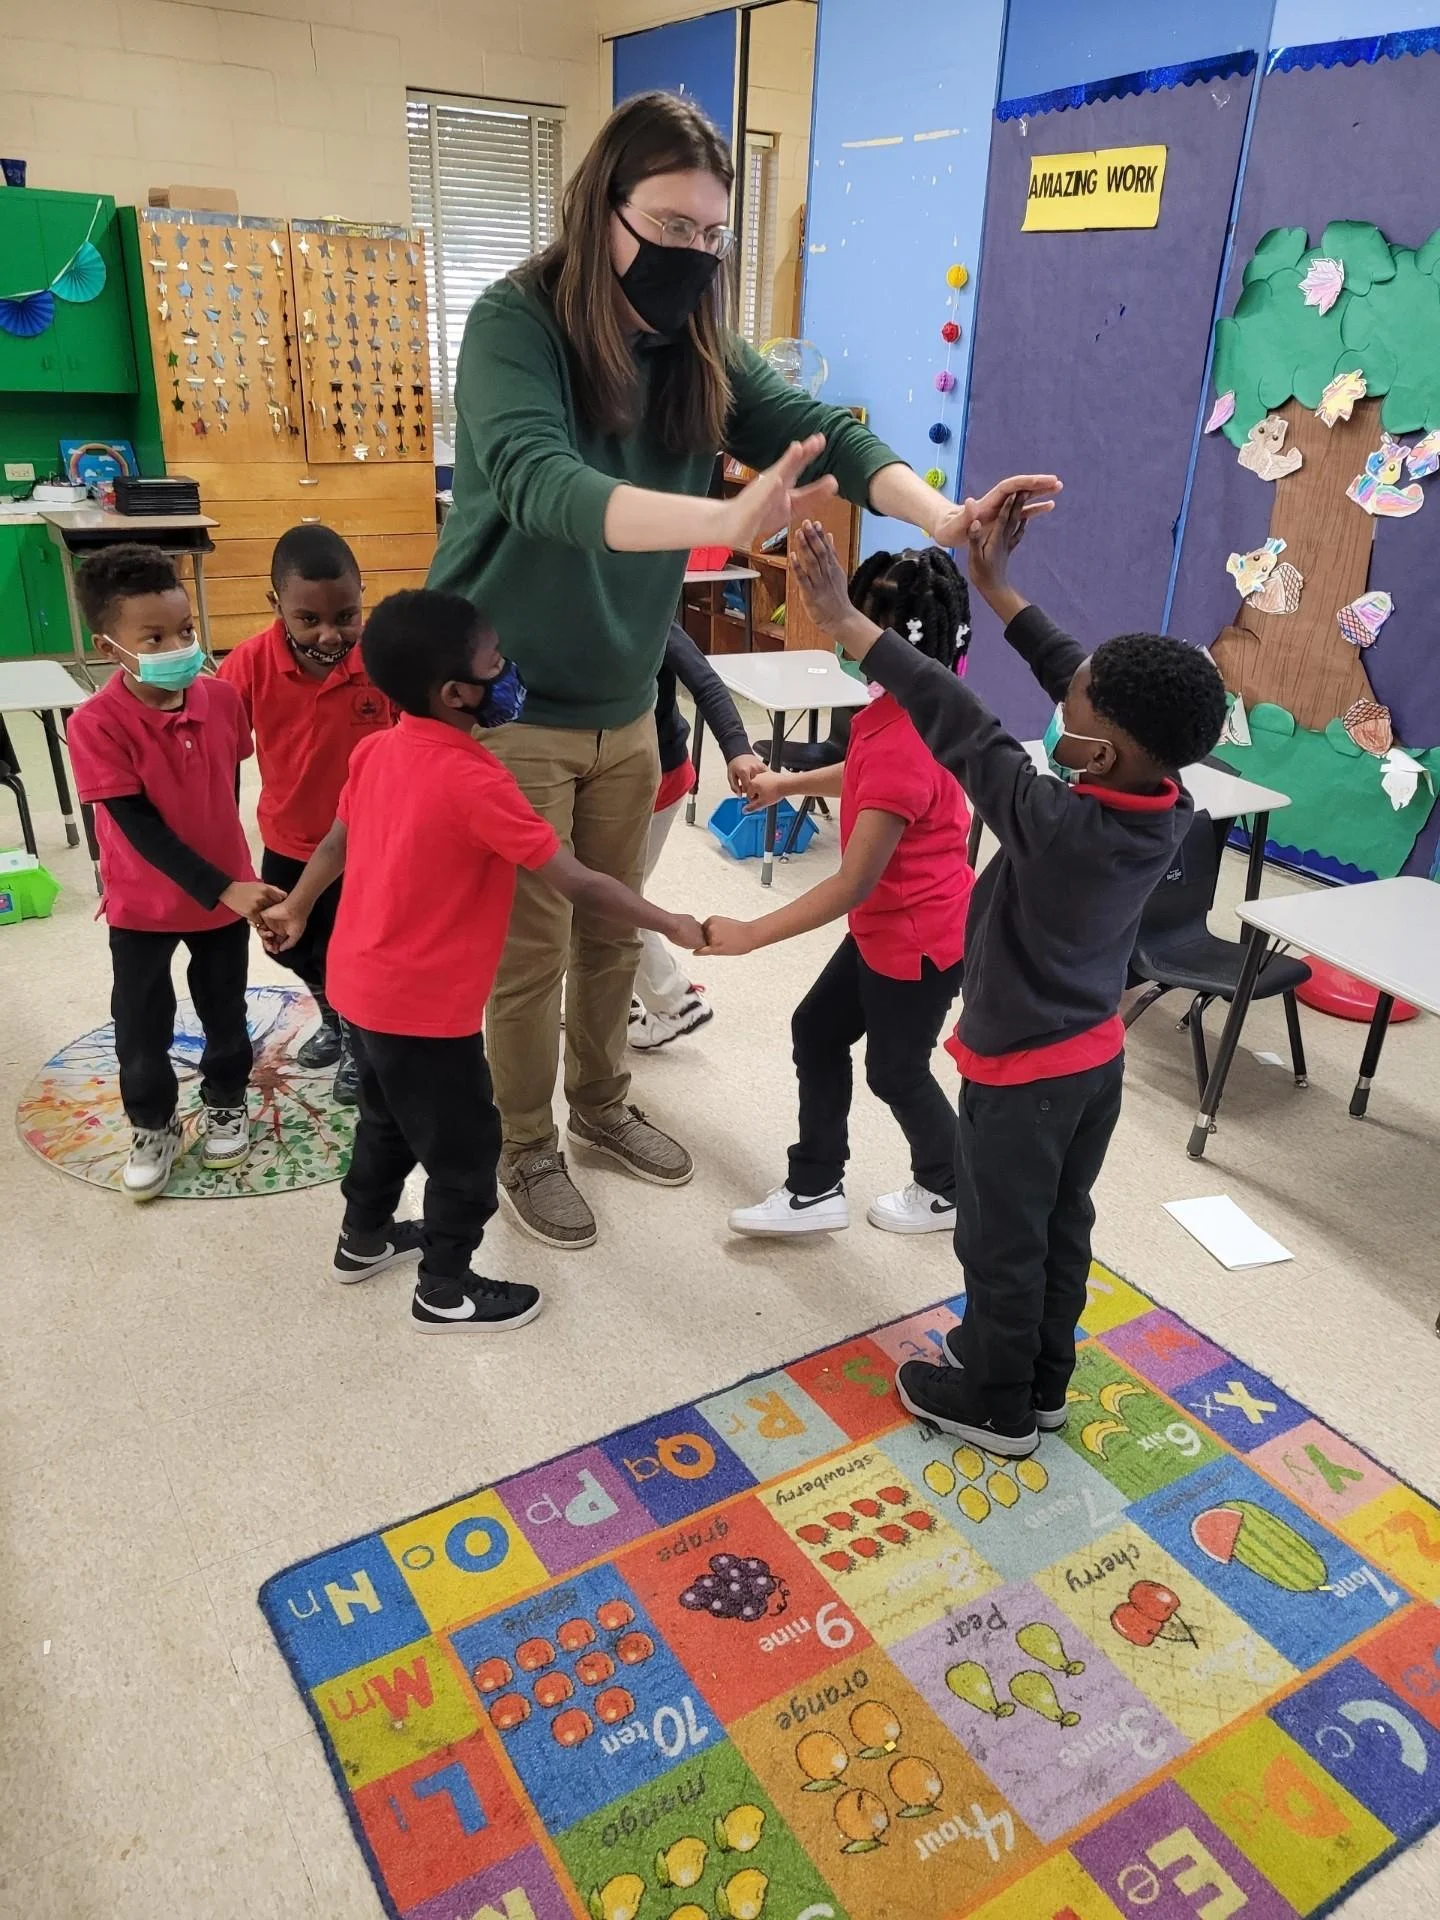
point(597, 790)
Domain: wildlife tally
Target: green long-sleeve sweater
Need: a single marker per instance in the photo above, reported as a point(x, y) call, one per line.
point(525, 539)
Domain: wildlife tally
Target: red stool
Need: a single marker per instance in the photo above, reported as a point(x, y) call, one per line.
point(1329, 990)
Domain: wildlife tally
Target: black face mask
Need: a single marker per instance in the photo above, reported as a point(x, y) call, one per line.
point(666, 284)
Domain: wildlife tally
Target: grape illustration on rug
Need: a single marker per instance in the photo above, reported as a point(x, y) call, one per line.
point(786, 1654)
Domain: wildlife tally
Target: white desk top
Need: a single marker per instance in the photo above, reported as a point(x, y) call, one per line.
point(1224, 796)
point(1385, 932)
point(37, 686)
point(790, 682)
point(101, 520)
point(705, 575)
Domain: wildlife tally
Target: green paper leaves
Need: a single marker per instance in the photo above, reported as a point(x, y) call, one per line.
point(1276, 250)
point(1272, 341)
point(1363, 249)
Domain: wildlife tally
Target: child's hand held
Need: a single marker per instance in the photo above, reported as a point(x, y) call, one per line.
point(280, 927)
point(249, 898)
point(766, 789)
point(741, 771)
point(686, 931)
point(726, 938)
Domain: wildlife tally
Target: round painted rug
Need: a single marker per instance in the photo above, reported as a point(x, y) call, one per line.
point(70, 1114)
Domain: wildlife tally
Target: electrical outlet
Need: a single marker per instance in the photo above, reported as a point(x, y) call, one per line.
point(19, 470)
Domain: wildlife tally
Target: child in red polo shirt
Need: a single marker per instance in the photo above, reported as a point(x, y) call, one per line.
point(158, 752)
point(430, 831)
point(904, 881)
point(310, 703)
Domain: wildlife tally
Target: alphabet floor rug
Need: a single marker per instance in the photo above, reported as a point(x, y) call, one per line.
point(786, 1654)
point(70, 1114)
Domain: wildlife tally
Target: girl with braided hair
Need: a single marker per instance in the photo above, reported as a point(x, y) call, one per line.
point(904, 881)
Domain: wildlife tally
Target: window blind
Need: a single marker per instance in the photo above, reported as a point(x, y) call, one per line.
point(757, 239)
point(484, 185)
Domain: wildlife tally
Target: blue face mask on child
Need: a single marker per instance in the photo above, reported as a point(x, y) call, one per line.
point(504, 698)
point(174, 670)
point(1054, 734)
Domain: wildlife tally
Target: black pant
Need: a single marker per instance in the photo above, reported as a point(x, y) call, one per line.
point(307, 956)
point(428, 1103)
point(1025, 1161)
point(900, 1021)
point(142, 1004)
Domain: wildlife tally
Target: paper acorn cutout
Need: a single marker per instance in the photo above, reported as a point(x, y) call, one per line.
point(950, 332)
point(958, 275)
point(945, 381)
point(939, 433)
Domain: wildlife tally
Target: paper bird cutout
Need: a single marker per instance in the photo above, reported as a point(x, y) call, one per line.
point(1337, 402)
point(1375, 490)
point(1323, 284)
point(1362, 620)
point(1281, 592)
point(1222, 411)
point(1368, 725)
point(1252, 570)
point(1400, 776)
point(1262, 453)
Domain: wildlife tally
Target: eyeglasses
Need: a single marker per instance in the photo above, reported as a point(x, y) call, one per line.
point(676, 230)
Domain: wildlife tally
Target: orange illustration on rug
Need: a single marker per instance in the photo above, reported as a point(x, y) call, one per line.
point(787, 1655)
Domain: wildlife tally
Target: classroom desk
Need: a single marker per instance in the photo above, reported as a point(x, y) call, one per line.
point(1385, 932)
point(76, 531)
point(802, 681)
point(720, 577)
point(1221, 794)
point(41, 687)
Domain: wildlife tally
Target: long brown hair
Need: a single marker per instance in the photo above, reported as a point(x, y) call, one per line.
point(690, 384)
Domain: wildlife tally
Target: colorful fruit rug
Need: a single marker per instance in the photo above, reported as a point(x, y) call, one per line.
point(70, 1114)
point(788, 1655)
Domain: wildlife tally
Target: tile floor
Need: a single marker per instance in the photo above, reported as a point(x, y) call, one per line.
point(188, 1402)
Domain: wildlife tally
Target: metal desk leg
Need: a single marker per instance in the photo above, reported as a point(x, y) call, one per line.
point(697, 741)
point(1370, 1059)
point(202, 606)
point(1229, 1040)
point(772, 814)
point(749, 595)
point(87, 816)
point(62, 786)
point(1254, 872)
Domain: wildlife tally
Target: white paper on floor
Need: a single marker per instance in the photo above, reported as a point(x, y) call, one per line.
point(1227, 1231)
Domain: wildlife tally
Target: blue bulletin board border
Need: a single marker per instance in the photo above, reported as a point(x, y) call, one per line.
point(1228, 66)
point(1353, 53)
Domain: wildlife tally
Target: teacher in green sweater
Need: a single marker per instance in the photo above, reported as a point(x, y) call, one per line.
point(595, 387)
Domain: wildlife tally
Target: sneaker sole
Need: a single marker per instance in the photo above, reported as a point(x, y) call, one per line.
point(887, 1223)
point(1044, 1422)
point(1003, 1444)
point(787, 1229)
point(654, 1046)
point(654, 1179)
point(141, 1194)
point(232, 1164)
point(538, 1233)
point(479, 1326)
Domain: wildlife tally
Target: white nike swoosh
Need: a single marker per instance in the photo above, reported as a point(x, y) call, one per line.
point(467, 1312)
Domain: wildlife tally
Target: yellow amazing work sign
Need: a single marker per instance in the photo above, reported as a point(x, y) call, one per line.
point(1116, 187)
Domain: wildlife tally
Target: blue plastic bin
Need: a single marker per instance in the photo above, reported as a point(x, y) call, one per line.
point(742, 834)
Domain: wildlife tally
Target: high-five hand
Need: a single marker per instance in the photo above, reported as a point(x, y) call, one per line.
point(773, 499)
point(953, 527)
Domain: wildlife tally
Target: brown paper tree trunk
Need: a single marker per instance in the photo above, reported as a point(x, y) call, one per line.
point(1301, 660)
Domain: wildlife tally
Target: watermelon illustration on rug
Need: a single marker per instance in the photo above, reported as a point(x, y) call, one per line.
point(786, 1654)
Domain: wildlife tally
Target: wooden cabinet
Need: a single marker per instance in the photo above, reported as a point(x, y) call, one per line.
point(87, 346)
point(292, 366)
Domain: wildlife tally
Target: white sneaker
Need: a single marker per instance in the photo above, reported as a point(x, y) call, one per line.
point(226, 1139)
point(651, 1030)
point(913, 1210)
point(785, 1212)
point(152, 1155)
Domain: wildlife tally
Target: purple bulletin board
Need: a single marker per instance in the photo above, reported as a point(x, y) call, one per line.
point(1089, 355)
point(1312, 159)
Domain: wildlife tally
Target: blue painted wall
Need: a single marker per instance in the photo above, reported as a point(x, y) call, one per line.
point(900, 145)
point(1302, 23)
point(1062, 43)
point(693, 57)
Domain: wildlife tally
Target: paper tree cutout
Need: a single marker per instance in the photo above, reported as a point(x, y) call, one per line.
point(1262, 451)
point(1323, 284)
point(1375, 490)
point(1362, 620)
point(1337, 402)
point(1368, 725)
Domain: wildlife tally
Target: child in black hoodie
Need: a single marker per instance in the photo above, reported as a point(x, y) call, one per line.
point(1050, 931)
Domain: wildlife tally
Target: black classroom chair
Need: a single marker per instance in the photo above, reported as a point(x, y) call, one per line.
point(810, 756)
point(1175, 951)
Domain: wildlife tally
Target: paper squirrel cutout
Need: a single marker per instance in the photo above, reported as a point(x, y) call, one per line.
point(1262, 453)
point(1375, 490)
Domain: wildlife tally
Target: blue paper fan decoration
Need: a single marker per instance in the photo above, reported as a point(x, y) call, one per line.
point(26, 314)
point(83, 278)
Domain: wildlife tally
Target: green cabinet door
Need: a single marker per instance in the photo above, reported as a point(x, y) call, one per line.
point(44, 577)
point(26, 366)
point(14, 610)
point(92, 336)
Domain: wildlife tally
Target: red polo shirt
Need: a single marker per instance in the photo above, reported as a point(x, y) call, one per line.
point(436, 830)
point(185, 761)
point(305, 731)
point(917, 910)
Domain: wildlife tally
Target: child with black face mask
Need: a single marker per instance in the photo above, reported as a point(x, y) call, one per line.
point(430, 832)
point(309, 703)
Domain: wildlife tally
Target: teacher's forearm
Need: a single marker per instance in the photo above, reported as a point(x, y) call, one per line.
point(638, 520)
point(899, 493)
